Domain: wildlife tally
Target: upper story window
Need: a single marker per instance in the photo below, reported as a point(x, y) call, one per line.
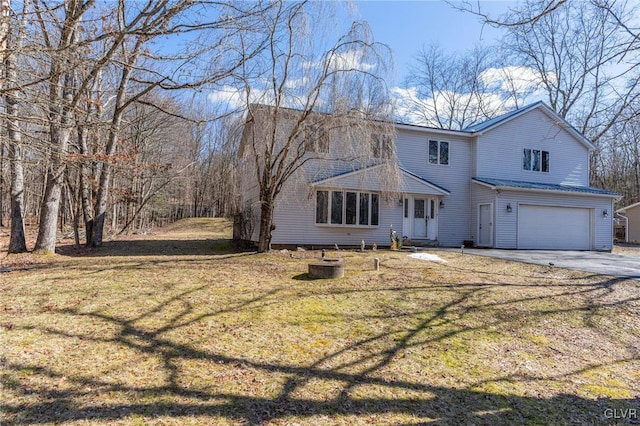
point(381, 146)
point(438, 152)
point(316, 138)
point(347, 208)
point(535, 160)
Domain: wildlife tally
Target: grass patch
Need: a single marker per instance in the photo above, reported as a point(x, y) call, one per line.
point(175, 328)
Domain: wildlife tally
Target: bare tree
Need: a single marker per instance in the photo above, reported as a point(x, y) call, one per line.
point(515, 17)
point(91, 63)
point(297, 92)
point(11, 41)
point(454, 91)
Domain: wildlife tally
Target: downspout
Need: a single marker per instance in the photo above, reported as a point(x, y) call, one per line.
point(626, 226)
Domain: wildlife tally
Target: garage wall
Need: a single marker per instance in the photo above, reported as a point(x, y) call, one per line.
point(507, 223)
point(480, 194)
point(569, 157)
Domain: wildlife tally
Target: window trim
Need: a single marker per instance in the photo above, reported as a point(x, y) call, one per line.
point(329, 202)
point(381, 146)
point(439, 154)
point(541, 163)
point(316, 138)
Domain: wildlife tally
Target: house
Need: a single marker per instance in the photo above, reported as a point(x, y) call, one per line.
point(518, 181)
point(630, 221)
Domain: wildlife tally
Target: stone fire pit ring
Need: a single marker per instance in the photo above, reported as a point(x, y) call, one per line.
point(328, 268)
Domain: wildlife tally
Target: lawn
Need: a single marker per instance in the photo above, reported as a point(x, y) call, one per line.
point(176, 328)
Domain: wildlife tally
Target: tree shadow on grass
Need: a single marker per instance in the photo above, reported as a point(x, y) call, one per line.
point(159, 247)
point(430, 403)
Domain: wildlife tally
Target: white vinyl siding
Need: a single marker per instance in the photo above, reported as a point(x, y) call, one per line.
point(494, 153)
point(481, 195)
point(601, 231)
point(412, 149)
point(500, 151)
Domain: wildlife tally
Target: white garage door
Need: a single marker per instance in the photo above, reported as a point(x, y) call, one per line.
point(561, 228)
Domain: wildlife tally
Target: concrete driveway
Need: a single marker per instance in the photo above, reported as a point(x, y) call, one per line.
point(601, 263)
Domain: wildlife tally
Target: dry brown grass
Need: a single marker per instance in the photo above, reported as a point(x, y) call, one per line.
point(175, 328)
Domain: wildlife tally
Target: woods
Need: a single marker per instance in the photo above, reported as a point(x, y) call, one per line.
point(96, 117)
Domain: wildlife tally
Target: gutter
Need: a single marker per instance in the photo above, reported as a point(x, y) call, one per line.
point(547, 191)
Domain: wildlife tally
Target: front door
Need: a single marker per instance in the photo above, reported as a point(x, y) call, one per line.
point(425, 223)
point(420, 218)
point(485, 225)
point(432, 223)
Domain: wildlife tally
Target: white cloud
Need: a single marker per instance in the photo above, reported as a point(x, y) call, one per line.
point(503, 83)
point(351, 59)
point(521, 80)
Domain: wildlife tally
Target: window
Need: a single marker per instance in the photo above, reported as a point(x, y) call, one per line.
point(438, 152)
point(535, 160)
point(336, 207)
point(375, 205)
point(351, 208)
point(316, 138)
point(418, 209)
point(364, 209)
point(347, 208)
point(406, 208)
point(381, 146)
point(322, 206)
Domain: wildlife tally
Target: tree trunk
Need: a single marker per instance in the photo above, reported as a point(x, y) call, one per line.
point(2, 154)
point(266, 225)
point(62, 85)
point(17, 241)
point(100, 207)
point(85, 187)
point(46, 240)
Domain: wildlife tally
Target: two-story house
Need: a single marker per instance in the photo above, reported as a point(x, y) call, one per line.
point(518, 181)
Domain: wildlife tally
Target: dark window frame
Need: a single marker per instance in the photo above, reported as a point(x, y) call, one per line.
point(536, 160)
point(438, 152)
point(345, 208)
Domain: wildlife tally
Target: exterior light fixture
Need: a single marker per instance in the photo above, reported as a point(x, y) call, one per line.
point(605, 213)
point(509, 209)
point(441, 204)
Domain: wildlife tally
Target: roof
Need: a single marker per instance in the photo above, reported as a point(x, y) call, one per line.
point(415, 176)
point(481, 127)
point(425, 186)
point(544, 187)
point(489, 124)
point(629, 207)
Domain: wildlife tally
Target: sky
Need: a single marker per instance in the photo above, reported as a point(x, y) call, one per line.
point(406, 26)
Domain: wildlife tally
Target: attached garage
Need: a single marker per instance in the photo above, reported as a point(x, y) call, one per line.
point(552, 227)
point(539, 216)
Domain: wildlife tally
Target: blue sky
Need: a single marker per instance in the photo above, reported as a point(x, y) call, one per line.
point(408, 25)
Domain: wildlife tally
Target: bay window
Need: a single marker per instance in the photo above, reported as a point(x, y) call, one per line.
point(349, 208)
